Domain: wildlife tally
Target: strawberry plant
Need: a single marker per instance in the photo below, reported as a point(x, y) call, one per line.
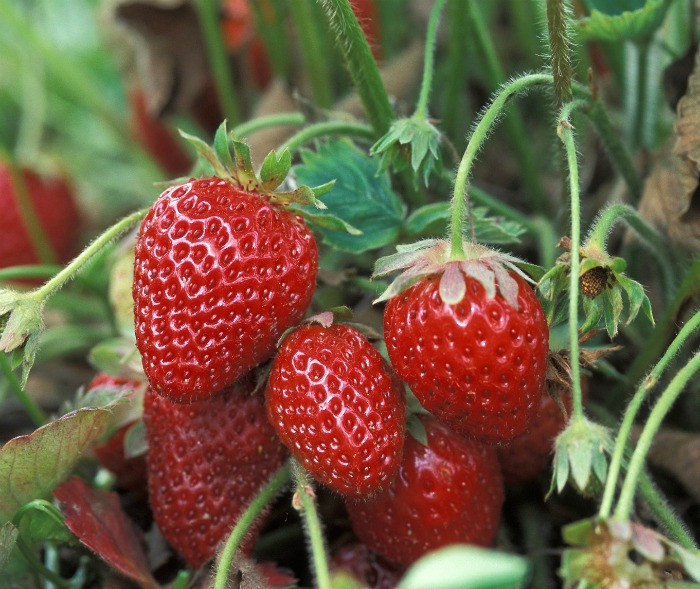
point(380, 293)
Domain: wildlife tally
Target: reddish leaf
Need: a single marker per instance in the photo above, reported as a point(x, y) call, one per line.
point(97, 519)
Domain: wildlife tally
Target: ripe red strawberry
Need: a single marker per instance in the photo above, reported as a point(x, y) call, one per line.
point(478, 363)
point(220, 274)
point(206, 461)
point(338, 407)
point(367, 567)
point(130, 472)
point(54, 205)
point(446, 492)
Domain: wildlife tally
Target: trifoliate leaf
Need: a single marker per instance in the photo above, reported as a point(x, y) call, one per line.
point(362, 196)
point(620, 20)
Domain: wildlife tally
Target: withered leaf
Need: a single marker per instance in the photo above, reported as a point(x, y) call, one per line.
point(670, 198)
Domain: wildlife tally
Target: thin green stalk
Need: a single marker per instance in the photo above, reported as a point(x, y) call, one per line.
point(488, 118)
point(267, 494)
point(665, 325)
point(616, 148)
point(560, 50)
point(653, 423)
point(312, 525)
point(271, 28)
point(315, 60)
point(633, 409)
point(566, 134)
point(35, 413)
point(28, 272)
point(656, 244)
point(208, 13)
point(69, 271)
point(28, 214)
point(282, 119)
point(317, 130)
point(429, 59)
point(515, 127)
point(360, 63)
point(36, 565)
point(675, 529)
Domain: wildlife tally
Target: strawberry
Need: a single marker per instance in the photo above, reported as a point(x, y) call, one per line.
point(52, 202)
point(130, 472)
point(471, 341)
point(206, 461)
point(365, 566)
point(156, 137)
point(338, 407)
point(220, 273)
point(530, 453)
point(447, 491)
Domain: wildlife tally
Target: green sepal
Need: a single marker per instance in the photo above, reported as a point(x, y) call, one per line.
point(593, 311)
point(222, 149)
point(535, 271)
point(637, 298)
point(274, 169)
point(207, 155)
point(22, 324)
point(580, 533)
point(327, 221)
point(416, 428)
point(561, 470)
point(618, 265)
point(588, 264)
point(243, 170)
point(612, 309)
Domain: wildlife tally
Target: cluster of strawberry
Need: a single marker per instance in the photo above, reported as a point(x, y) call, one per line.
point(223, 279)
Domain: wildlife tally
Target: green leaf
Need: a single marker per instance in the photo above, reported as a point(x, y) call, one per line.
point(8, 537)
point(117, 356)
point(619, 20)
point(691, 562)
point(467, 567)
point(41, 524)
point(31, 466)
point(362, 196)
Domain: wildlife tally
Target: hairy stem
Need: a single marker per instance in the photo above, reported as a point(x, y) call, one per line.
point(304, 502)
point(566, 134)
point(653, 423)
point(266, 494)
point(633, 409)
point(559, 48)
point(360, 63)
point(460, 198)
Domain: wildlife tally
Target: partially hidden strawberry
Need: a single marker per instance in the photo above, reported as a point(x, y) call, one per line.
point(338, 407)
point(206, 461)
point(365, 566)
point(450, 491)
point(221, 271)
point(51, 201)
point(129, 472)
point(471, 341)
point(529, 454)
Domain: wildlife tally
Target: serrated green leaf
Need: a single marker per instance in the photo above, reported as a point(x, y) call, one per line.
point(8, 538)
point(274, 169)
point(467, 567)
point(362, 196)
point(619, 20)
point(32, 466)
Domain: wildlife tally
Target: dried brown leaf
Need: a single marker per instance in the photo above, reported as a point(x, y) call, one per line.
point(670, 198)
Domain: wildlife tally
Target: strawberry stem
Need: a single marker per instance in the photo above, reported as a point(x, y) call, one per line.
point(283, 119)
point(565, 132)
point(559, 49)
point(651, 427)
point(69, 271)
point(361, 64)
point(429, 59)
point(28, 272)
point(325, 128)
point(486, 121)
point(312, 525)
point(267, 494)
point(633, 409)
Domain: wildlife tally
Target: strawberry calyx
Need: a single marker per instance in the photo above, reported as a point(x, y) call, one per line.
point(434, 256)
point(602, 282)
point(229, 158)
point(21, 325)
